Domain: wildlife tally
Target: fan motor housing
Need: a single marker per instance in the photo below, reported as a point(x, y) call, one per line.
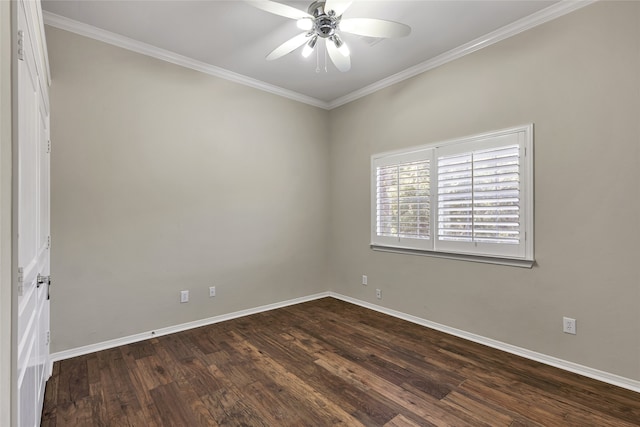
point(324, 24)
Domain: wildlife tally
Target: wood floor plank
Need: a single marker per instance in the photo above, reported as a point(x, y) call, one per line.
point(164, 397)
point(74, 375)
point(203, 340)
point(99, 416)
point(424, 406)
point(280, 399)
point(51, 401)
point(401, 421)
point(396, 366)
point(141, 349)
point(234, 411)
point(323, 363)
point(326, 412)
point(572, 387)
point(365, 407)
point(152, 372)
point(76, 413)
point(536, 407)
point(148, 410)
point(119, 398)
point(476, 410)
point(259, 389)
point(251, 403)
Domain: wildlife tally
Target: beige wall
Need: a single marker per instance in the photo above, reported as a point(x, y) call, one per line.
point(578, 79)
point(5, 215)
point(164, 179)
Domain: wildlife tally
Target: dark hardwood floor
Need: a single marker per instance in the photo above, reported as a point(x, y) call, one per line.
point(323, 363)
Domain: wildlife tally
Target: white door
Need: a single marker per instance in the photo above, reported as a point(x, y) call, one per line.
point(32, 213)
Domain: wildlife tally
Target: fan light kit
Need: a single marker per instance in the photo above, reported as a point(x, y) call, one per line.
point(324, 20)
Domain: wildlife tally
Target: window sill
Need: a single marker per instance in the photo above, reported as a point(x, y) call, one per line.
point(512, 262)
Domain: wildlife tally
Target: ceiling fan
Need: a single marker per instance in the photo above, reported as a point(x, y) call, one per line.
point(324, 20)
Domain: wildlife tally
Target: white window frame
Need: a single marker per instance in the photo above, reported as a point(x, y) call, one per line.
point(517, 254)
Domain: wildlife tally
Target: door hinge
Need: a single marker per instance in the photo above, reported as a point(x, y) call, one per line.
point(48, 337)
point(20, 280)
point(21, 45)
point(48, 146)
point(48, 242)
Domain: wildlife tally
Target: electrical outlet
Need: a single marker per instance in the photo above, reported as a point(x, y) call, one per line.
point(364, 279)
point(212, 291)
point(569, 325)
point(184, 296)
point(378, 294)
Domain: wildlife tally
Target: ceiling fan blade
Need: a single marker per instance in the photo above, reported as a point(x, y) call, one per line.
point(288, 46)
point(374, 27)
point(339, 7)
point(342, 63)
point(280, 9)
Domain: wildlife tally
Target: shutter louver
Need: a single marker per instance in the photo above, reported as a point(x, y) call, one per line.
point(403, 200)
point(496, 194)
point(455, 198)
point(479, 196)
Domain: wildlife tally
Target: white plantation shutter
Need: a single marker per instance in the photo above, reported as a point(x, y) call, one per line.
point(472, 196)
point(402, 194)
point(479, 196)
point(404, 200)
point(496, 195)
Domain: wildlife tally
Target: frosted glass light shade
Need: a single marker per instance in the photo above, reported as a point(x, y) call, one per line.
point(308, 48)
point(305, 24)
point(344, 50)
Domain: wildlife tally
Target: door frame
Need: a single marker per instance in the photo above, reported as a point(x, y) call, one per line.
point(7, 347)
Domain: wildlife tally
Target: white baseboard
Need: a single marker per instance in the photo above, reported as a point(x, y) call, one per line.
point(92, 348)
point(586, 371)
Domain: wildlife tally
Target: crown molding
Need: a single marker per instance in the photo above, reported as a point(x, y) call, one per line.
point(99, 34)
point(545, 15)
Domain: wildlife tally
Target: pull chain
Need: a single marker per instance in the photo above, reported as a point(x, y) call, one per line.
point(325, 56)
point(322, 47)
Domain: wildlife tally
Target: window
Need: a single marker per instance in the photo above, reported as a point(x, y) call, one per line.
point(471, 197)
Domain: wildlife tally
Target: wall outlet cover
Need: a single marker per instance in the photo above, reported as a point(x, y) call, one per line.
point(569, 325)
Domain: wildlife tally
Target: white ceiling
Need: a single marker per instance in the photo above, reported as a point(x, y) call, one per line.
point(235, 37)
